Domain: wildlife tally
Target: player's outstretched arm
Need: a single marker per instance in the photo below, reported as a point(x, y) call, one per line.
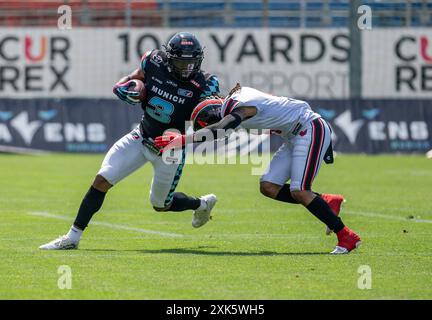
point(230, 121)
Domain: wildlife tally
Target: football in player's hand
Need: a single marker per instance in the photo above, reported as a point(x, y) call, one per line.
point(138, 86)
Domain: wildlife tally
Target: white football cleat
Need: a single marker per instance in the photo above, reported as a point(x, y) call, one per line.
point(339, 250)
point(201, 217)
point(61, 243)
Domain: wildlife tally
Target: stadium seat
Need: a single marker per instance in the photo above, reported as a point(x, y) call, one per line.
point(340, 21)
point(339, 5)
point(196, 22)
point(284, 22)
point(313, 22)
point(283, 5)
point(215, 13)
point(249, 5)
point(241, 21)
point(316, 5)
point(194, 5)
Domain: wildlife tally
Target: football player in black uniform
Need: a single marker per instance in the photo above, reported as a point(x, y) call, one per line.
point(174, 85)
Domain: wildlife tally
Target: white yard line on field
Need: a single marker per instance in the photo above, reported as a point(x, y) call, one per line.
point(383, 216)
point(107, 224)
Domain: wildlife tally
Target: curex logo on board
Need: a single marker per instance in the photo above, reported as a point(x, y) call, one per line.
point(34, 63)
point(413, 71)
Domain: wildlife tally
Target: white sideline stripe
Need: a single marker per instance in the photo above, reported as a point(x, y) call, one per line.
point(9, 149)
point(106, 224)
point(383, 216)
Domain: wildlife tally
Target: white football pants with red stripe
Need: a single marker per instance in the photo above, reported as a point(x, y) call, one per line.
point(299, 159)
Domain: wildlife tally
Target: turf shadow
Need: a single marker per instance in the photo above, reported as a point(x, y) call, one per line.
point(215, 253)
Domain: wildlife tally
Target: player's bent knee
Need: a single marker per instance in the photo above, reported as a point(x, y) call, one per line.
point(269, 189)
point(302, 196)
point(101, 184)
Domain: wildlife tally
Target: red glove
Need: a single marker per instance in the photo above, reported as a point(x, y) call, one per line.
point(173, 140)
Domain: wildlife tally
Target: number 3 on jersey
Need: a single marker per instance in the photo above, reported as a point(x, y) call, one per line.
point(160, 109)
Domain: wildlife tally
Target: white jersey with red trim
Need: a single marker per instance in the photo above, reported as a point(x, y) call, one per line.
point(273, 112)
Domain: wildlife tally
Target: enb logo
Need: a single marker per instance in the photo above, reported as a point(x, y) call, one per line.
point(33, 63)
point(414, 70)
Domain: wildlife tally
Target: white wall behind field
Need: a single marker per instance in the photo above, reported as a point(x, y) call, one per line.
point(305, 63)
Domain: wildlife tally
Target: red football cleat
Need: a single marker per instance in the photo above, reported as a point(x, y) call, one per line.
point(335, 203)
point(348, 240)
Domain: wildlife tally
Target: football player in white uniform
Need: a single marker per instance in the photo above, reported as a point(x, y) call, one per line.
point(307, 142)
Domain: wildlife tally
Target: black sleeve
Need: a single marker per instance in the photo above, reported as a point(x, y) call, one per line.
point(231, 121)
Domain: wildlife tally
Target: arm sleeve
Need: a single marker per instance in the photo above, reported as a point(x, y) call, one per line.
point(231, 121)
point(228, 106)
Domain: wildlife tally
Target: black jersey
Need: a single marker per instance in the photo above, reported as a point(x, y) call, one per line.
point(169, 102)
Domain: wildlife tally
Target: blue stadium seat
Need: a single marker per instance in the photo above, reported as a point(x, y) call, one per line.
point(384, 6)
point(249, 5)
point(415, 21)
point(340, 22)
point(195, 5)
point(339, 5)
point(388, 21)
point(316, 5)
point(387, 13)
point(241, 22)
point(313, 22)
point(284, 5)
point(197, 22)
point(417, 5)
point(284, 22)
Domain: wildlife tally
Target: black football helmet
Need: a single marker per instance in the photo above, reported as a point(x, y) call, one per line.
point(207, 112)
point(184, 55)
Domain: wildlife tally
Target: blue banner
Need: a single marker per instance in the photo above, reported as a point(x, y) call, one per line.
point(378, 126)
point(66, 125)
point(93, 125)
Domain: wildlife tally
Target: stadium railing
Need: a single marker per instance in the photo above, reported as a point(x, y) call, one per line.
point(213, 13)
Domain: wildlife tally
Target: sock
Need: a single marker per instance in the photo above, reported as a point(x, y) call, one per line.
point(285, 194)
point(74, 234)
point(91, 204)
point(182, 202)
point(323, 212)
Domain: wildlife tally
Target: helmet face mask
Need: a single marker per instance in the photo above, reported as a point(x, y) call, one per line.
point(184, 55)
point(183, 68)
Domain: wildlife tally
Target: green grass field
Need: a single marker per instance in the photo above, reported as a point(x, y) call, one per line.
point(254, 248)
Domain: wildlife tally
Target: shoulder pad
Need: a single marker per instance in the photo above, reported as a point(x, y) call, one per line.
point(156, 57)
point(211, 87)
point(144, 59)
